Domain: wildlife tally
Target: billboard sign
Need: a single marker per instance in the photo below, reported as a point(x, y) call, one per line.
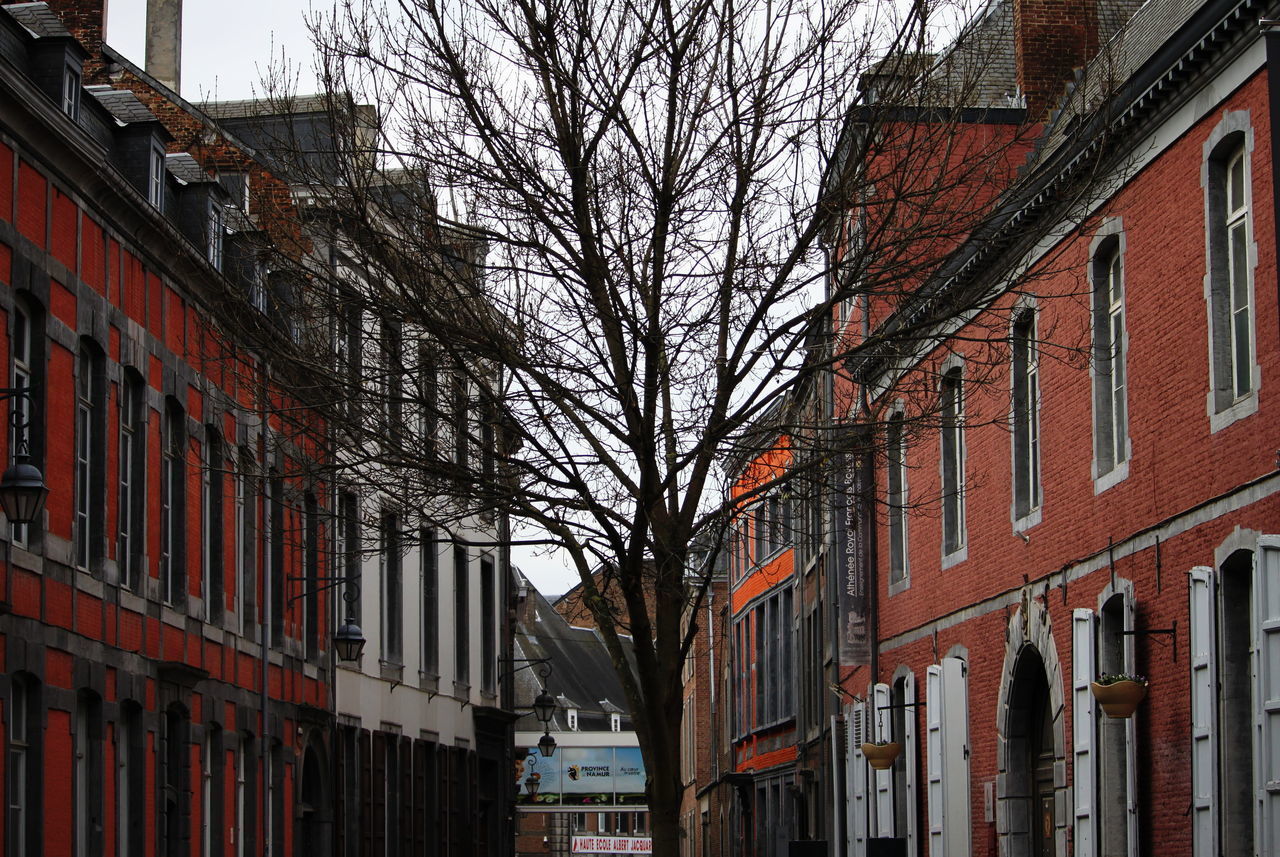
point(583, 777)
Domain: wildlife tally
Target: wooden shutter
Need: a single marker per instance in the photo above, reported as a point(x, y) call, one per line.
point(408, 817)
point(1084, 729)
point(419, 817)
point(1204, 714)
point(911, 753)
point(1130, 734)
point(340, 780)
point(378, 823)
point(365, 787)
point(933, 757)
point(1266, 629)
point(857, 781)
point(882, 723)
point(955, 758)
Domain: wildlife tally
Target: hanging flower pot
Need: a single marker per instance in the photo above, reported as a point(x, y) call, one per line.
point(881, 756)
point(1119, 693)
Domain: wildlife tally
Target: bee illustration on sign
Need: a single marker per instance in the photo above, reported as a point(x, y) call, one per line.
point(573, 772)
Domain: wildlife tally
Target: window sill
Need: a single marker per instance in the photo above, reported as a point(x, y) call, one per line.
point(899, 586)
point(1227, 416)
point(1111, 478)
point(957, 556)
point(391, 671)
point(1027, 521)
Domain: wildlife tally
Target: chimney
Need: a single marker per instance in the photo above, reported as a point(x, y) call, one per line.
point(1051, 38)
point(164, 41)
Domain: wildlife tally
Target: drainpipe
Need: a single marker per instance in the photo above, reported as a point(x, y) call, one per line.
point(1271, 36)
point(267, 820)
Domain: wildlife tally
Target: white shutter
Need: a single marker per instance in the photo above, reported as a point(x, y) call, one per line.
point(1084, 777)
point(910, 752)
point(955, 758)
point(1130, 735)
point(1266, 629)
point(933, 757)
point(883, 723)
point(857, 776)
point(1204, 715)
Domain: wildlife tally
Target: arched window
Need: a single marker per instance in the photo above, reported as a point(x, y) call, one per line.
point(87, 775)
point(24, 767)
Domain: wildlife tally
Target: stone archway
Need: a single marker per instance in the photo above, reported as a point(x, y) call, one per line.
point(315, 821)
point(1031, 809)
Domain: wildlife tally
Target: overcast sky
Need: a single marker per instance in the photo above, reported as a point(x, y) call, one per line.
point(227, 47)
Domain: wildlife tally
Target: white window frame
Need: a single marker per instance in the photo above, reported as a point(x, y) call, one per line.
point(155, 178)
point(71, 85)
point(1226, 298)
point(1024, 418)
point(1109, 367)
point(84, 454)
point(951, 463)
point(897, 499)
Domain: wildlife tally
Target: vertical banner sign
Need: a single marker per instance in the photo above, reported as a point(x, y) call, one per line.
point(853, 525)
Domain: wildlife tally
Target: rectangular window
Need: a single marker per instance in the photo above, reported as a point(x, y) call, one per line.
point(155, 179)
point(20, 830)
point(953, 481)
point(274, 553)
point(461, 616)
point(429, 393)
point(461, 419)
point(1026, 416)
point(430, 602)
point(216, 231)
point(246, 533)
point(1110, 431)
point(392, 590)
point(89, 455)
point(173, 527)
point(214, 535)
point(71, 92)
point(760, 637)
point(488, 626)
point(311, 575)
point(132, 475)
point(348, 551)
point(760, 528)
point(23, 365)
point(897, 489)
point(1237, 232)
point(392, 368)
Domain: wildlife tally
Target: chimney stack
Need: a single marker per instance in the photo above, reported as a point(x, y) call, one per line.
point(1052, 38)
point(164, 42)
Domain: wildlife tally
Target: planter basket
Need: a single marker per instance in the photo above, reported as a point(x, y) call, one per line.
point(1120, 698)
point(881, 756)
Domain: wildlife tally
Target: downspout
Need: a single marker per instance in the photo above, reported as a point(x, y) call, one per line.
point(265, 752)
point(1271, 36)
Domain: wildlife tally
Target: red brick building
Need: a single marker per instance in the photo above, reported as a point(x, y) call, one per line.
point(762, 690)
point(1081, 478)
point(166, 686)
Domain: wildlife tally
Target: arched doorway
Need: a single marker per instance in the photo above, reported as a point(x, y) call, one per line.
point(315, 834)
point(1030, 756)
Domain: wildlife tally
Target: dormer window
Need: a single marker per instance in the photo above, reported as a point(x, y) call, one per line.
point(155, 179)
point(71, 91)
point(615, 722)
point(573, 719)
point(214, 250)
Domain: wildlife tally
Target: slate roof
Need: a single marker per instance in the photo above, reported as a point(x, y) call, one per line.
point(581, 669)
point(122, 104)
point(185, 168)
point(39, 19)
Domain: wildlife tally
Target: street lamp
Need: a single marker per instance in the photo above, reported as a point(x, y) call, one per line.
point(547, 745)
point(531, 785)
point(22, 491)
point(544, 707)
point(349, 640)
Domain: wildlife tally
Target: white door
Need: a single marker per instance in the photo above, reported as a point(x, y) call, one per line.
point(1084, 777)
point(882, 719)
point(1266, 630)
point(1204, 714)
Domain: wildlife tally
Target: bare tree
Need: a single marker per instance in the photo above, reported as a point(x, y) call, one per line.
point(575, 250)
